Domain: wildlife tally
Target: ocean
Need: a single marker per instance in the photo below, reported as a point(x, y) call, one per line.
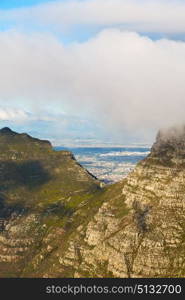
point(109, 164)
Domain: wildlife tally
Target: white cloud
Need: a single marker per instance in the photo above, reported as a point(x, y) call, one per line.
point(137, 15)
point(15, 115)
point(122, 79)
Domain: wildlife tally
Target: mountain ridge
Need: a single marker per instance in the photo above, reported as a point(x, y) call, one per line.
point(134, 228)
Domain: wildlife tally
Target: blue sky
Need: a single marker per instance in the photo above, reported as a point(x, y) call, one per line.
point(10, 4)
point(92, 71)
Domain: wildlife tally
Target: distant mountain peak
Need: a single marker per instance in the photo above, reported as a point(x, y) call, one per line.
point(170, 145)
point(21, 142)
point(7, 131)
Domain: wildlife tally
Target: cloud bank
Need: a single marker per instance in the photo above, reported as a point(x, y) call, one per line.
point(15, 115)
point(137, 15)
point(122, 79)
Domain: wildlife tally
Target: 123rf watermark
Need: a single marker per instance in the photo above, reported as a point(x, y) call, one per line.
point(135, 289)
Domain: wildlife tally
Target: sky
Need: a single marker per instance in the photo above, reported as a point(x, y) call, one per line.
point(92, 72)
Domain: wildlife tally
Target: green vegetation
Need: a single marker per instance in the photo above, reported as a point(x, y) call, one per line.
point(34, 176)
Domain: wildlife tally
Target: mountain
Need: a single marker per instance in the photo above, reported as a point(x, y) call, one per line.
point(59, 222)
point(38, 187)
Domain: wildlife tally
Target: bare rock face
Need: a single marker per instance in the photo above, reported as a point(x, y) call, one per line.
point(134, 228)
point(169, 147)
point(139, 230)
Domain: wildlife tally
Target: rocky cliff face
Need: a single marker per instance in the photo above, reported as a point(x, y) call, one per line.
point(134, 228)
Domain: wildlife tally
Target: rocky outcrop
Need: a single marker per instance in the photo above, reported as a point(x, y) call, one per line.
point(139, 231)
point(134, 228)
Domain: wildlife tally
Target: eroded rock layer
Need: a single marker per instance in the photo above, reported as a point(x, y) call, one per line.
point(134, 228)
